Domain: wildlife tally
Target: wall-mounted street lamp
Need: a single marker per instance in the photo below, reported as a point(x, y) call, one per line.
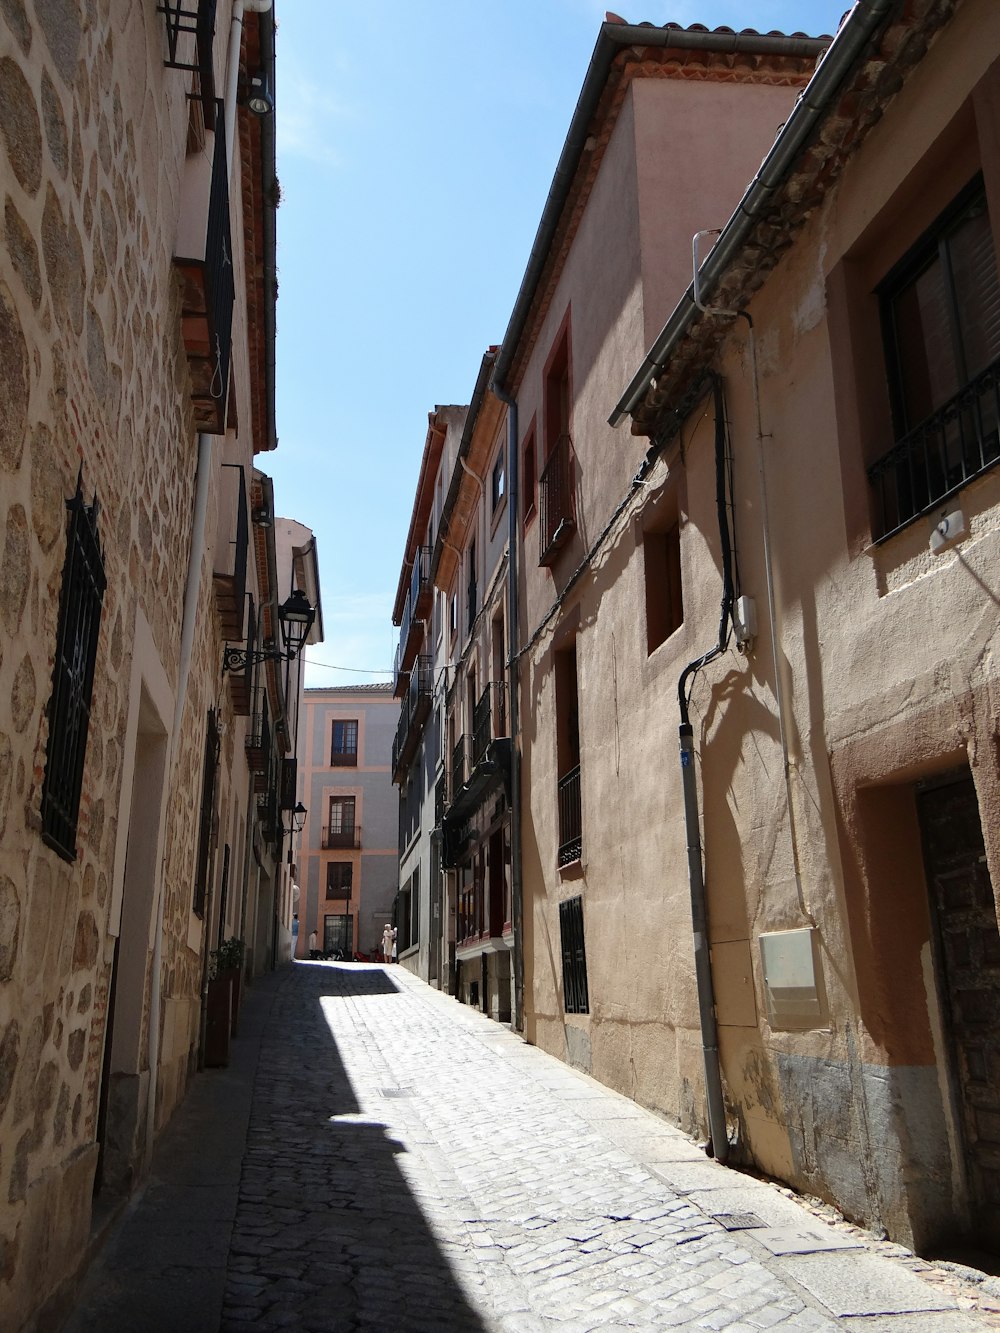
point(298, 820)
point(295, 616)
point(260, 99)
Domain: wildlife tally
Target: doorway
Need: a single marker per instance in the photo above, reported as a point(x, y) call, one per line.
point(125, 1079)
point(338, 936)
point(967, 947)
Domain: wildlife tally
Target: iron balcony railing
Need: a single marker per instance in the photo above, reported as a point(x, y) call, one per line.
point(940, 456)
point(221, 290)
point(341, 835)
point(489, 719)
point(461, 764)
point(555, 489)
point(412, 714)
point(190, 37)
point(230, 572)
point(570, 817)
point(420, 582)
point(440, 799)
point(258, 743)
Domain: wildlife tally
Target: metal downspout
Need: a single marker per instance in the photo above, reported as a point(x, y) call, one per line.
point(718, 1144)
point(513, 676)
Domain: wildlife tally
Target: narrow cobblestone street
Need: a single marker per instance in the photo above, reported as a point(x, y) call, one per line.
point(411, 1165)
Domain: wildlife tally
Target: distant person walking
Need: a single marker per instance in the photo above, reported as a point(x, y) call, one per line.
point(388, 943)
point(313, 951)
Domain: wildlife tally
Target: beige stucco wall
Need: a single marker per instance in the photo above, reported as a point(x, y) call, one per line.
point(650, 194)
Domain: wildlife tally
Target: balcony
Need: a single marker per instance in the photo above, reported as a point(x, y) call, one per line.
point(555, 492)
point(489, 719)
point(190, 37)
point(943, 454)
point(229, 575)
point(461, 764)
point(341, 835)
point(570, 818)
point(258, 749)
point(440, 799)
point(204, 262)
point(412, 715)
point(421, 588)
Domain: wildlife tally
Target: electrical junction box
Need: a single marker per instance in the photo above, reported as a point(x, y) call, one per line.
point(788, 963)
point(950, 528)
point(745, 620)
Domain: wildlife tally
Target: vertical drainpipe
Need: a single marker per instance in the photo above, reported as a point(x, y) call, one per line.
point(513, 673)
point(718, 1144)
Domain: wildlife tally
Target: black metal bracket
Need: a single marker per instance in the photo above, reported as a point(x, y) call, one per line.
point(239, 659)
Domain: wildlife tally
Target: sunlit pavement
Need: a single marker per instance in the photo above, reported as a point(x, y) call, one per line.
point(411, 1165)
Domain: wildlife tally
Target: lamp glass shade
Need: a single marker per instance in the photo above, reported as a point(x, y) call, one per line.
point(296, 617)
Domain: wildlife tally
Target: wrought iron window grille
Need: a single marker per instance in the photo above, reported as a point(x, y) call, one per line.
point(80, 602)
point(576, 997)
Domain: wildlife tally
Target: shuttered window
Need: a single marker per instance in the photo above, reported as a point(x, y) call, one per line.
point(576, 999)
point(941, 326)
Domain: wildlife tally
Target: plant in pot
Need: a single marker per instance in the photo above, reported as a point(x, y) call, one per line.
point(227, 966)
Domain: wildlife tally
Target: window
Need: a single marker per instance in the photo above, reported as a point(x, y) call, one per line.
point(339, 879)
point(453, 615)
point(568, 757)
point(528, 486)
point(661, 551)
point(555, 483)
point(498, 482)
point(207, 816)
point(344, 750)
point(341, 831)
point(473, 590)
point(576, 999)
point(80, 602)
point(940, 309)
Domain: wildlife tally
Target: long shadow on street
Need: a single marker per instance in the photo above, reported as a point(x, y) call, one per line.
point(328, 1235)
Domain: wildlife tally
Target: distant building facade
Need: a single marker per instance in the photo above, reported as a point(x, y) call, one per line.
point(346, 856)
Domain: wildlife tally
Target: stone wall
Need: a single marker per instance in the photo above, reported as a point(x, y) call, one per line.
point(93, 381)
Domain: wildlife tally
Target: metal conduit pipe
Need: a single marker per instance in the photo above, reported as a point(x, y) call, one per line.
point(718, 1143)
point(857, 31)
point(513, 677)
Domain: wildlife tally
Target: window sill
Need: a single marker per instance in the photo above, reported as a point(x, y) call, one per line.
point(572, 870)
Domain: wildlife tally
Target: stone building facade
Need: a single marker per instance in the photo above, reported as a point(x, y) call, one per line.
point(136, 385)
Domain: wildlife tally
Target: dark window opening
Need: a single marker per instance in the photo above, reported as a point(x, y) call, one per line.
point(498, 482)
point(576, 998)
point(339, 879)
point(568, 792)
point(528, 485)
point(80, 602)
point(207, 818)
point(941, 327)
point(662, 567)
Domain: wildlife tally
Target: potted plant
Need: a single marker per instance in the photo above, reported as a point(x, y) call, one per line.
point(227, 966)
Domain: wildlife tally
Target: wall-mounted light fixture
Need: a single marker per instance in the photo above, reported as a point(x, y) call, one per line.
point(295, 616)
point(260, 99)
point(297, 819)
point(262, 517)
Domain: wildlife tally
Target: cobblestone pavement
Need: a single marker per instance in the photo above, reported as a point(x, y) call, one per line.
point(411, 1165)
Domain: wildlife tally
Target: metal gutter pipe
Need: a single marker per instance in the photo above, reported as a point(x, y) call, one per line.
point(611, 40)
point(718, 1145)
point(848, 46)
point(514, 678)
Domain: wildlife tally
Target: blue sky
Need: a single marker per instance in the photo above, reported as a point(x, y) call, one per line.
point(416, 145)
